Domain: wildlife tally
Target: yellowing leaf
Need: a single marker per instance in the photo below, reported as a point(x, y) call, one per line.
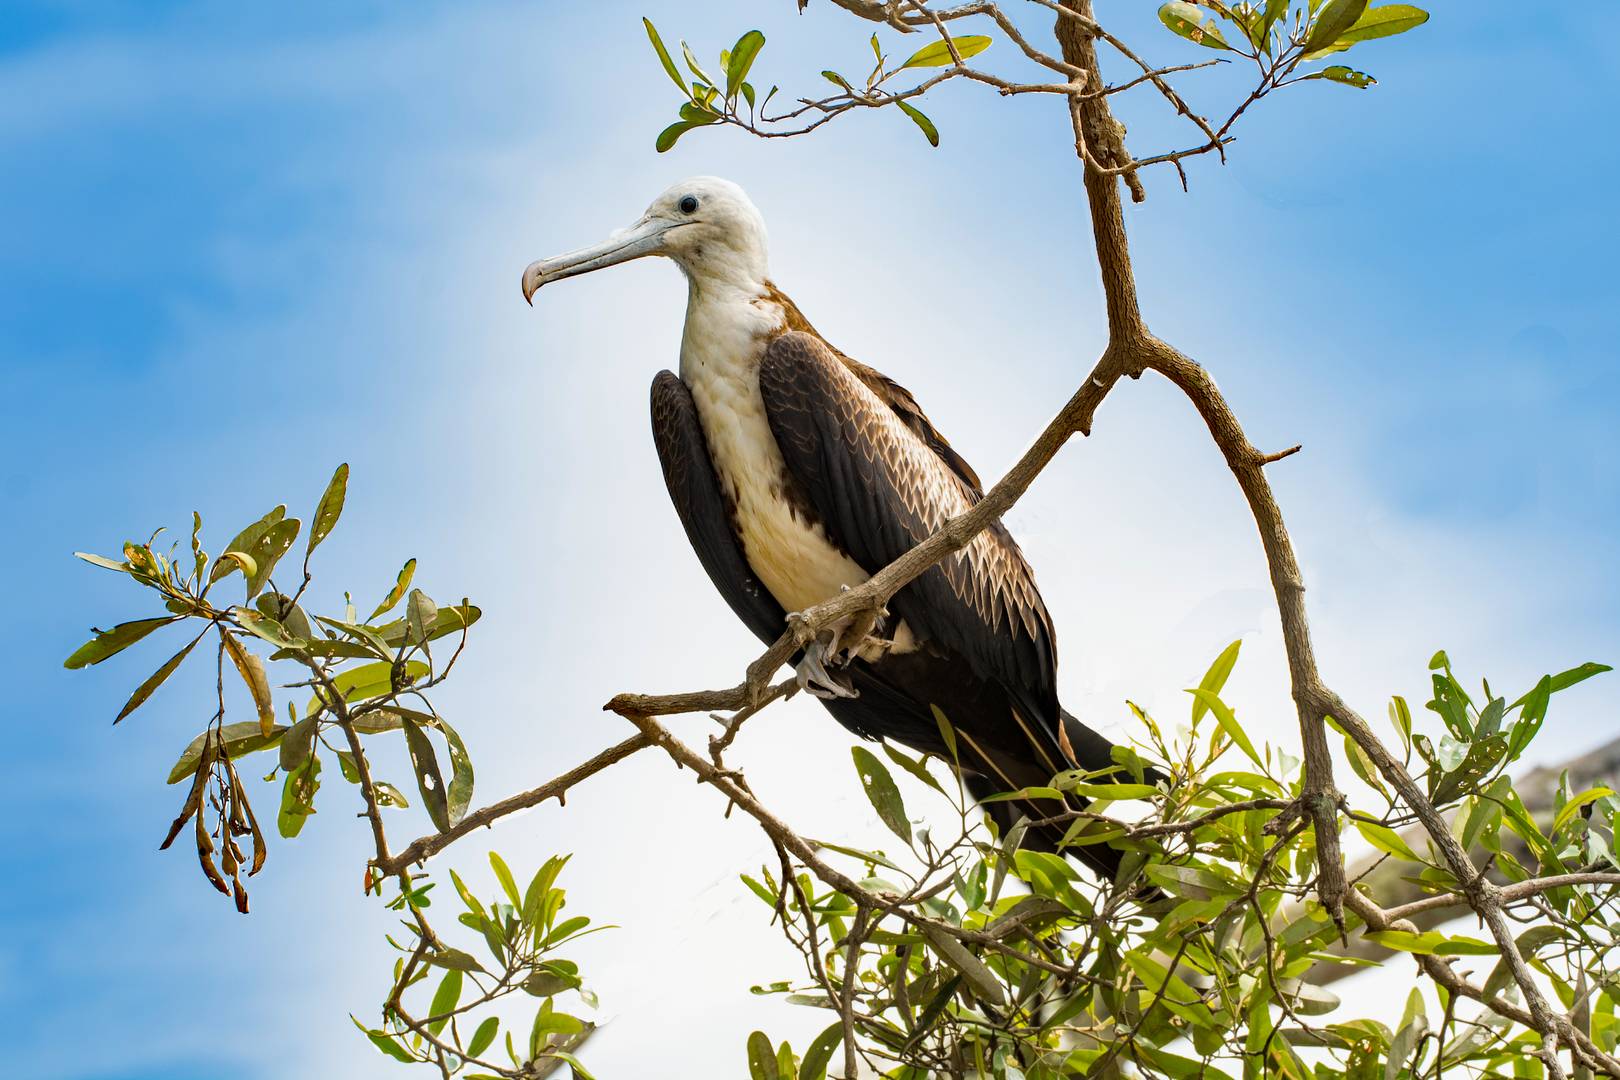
point(938, 54)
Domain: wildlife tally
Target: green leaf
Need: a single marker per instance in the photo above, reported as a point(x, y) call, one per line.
point(102, 561)
point(448, 620)
point(928, 129)
point(741, 59)
point(156, 679)
point(938, 54)
point(1457, 945)
point(112, 642)
point(298, 744)
point(383, 1042)
point(819, 1053)
point(266, 629)
point(240, 739)
point(429, 780)
point(1229, 723)
point(1386, 840)
point(1190, 882)
point(1215, 678)
point(580, 1072)
point(1426, 943)
point(1275, 9)
point(328, 509)
point(421, 613)
point(663, 54)
point(280, 607)
point(1193, 23)
point(667, 137)
point(298, 797)
point(503, 874)
point(445, 999)
point(397, 593)
point(953, 952)
point(548, 1021)
point(370, 680)
point(271, 545)
point(761, 1057)
point(946, 731)
point(534, 897)
point(454, 960)
point(1562, 681)
point(484, 1036)
point(458, 794)
point(1332, 20)
point(1574, 805)
point(1378, 22)
point(691, 62)
point(1112, 791)
point(880, 789)
point(389, 795)
point(241, 543)
point(916, 767)
point(1347, 76)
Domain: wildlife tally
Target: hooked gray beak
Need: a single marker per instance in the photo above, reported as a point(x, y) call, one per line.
point(645, 237)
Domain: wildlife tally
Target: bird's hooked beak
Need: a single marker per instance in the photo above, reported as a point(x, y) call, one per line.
point(645, 237)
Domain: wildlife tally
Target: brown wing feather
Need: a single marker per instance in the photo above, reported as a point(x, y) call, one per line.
point(879, 488)
point(891, 393)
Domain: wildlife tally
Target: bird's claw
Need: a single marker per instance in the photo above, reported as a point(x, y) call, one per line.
point(814, 678)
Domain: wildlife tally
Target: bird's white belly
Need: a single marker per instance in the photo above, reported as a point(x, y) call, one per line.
point(792, 556)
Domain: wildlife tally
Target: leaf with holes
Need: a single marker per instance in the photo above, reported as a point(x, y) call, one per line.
point(298, 797)
point(243, 542)
point(271, 545)
point(328, 509)
point(1193, 23)
point(1345, 76)
point(880, 789)
point(429, 780)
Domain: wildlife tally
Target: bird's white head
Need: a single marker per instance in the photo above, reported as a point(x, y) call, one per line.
point(706, 224)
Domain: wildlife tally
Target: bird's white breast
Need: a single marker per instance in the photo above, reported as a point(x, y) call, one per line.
point(724, 341)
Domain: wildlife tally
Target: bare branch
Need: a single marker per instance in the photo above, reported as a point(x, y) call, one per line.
point(426, 847)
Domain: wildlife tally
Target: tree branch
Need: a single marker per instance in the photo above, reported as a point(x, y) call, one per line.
point(426, 847)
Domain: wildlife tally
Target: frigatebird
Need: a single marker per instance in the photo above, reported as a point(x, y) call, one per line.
point(798, 471)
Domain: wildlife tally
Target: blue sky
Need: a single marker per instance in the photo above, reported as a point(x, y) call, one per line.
point(242, 246)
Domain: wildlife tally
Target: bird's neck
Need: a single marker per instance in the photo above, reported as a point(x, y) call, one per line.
point(728, 324)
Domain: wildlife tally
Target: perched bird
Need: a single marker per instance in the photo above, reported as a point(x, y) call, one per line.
point(798, 471)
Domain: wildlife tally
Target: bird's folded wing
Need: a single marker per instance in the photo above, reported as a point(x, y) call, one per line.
point(879, 490)
point(695, 490)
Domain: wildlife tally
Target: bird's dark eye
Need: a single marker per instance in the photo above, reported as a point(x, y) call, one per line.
point(689, 204)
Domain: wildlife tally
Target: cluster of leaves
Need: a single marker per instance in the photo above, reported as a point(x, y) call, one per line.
point(1280, 36)
point(710, 101)
point(359, 676)
point(987, 959)
point(521, 933)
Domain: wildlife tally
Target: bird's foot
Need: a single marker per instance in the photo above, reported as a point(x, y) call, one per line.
point(815, 679)
point(858, 629)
